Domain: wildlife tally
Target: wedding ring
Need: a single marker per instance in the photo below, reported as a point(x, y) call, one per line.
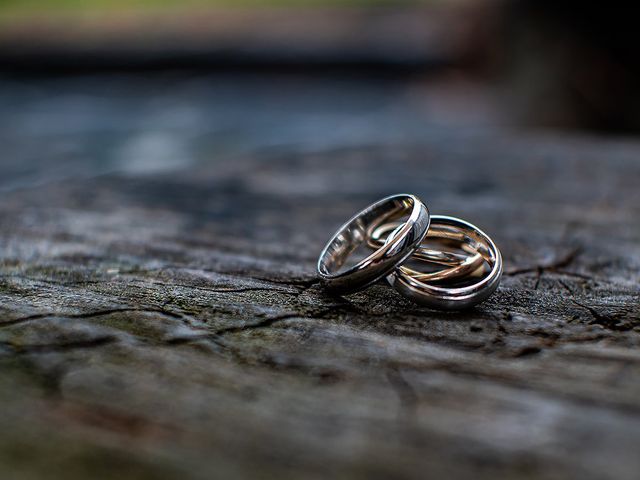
point(413, 285)
point(460, 265)
point(398, 247)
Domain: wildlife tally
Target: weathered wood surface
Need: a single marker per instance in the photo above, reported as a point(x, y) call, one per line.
point(170, 326)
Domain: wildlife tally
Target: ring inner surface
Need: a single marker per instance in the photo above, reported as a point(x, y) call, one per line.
point(356, 233)
point(475, 254)
point(474, 261)
point(474, 240)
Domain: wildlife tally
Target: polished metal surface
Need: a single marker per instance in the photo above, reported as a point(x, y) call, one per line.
point(460, 265)
point(398, 247)
point(418, 287)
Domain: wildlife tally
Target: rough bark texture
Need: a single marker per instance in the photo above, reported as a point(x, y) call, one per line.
point(172, 326)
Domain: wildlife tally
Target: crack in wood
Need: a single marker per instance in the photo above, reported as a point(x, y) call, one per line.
point(34, 348)
point(553, 266)
point(265, 323)
point(603, 320)
point(98, 313)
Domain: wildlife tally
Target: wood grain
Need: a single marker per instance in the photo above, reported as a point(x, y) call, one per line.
point(171, 326)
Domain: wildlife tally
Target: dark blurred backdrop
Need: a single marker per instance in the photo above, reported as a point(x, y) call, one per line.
point(149, 85)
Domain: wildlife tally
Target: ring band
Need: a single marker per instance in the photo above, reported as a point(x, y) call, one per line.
point(460, 265)
point(398, 247)
point(408, 282)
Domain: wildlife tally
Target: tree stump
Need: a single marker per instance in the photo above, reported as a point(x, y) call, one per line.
point(171, 326)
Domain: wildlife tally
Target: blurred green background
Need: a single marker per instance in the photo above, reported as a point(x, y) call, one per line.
point(38, 6)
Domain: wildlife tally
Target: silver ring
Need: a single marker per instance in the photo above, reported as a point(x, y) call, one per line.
point(398, 247)
point(460, 265)
point(408, 282)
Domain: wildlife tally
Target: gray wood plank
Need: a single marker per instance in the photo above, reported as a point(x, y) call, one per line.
point(163, 326)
